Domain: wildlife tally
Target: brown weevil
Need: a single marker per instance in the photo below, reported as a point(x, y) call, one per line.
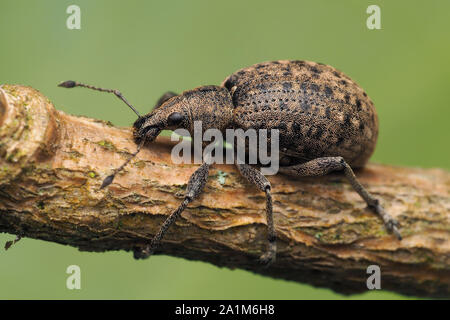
point(326, 123)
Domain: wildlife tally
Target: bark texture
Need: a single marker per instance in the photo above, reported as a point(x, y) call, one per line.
point(52, 165)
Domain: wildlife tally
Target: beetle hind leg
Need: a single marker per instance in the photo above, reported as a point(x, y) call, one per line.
point(322, 166)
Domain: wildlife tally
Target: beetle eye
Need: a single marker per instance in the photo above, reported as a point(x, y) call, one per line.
point(175, 118)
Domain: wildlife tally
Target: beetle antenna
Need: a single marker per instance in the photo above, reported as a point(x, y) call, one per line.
point(109, 179)
point(73, 84)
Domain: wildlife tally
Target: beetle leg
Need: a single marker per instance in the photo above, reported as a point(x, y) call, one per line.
point(194, 188)
point(256, 177)
point(322, 166)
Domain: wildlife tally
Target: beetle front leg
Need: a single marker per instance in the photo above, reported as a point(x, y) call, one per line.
point(194, 188)
point(256, 177)
point(322, 166)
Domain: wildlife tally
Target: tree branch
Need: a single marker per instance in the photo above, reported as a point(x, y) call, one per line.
point(52, 165)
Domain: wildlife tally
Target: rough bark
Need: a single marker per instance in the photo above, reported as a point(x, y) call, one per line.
point(52, 165)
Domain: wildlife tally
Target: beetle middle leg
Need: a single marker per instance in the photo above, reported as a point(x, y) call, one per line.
point(194, 188)
point(322, 166)
point(256, 177)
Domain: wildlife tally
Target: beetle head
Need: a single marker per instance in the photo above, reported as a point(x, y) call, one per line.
point(212, 105)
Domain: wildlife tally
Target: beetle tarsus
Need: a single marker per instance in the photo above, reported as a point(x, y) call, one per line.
point(140, 254)
point(392, 225)
point(397, 233)
point(269, 257)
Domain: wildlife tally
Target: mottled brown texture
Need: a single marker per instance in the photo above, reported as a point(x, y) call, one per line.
point(52, 165)
point(319, 111)
point(209, 104)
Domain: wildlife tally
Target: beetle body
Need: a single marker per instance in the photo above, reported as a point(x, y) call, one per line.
point(319, 111)
point(326, 123)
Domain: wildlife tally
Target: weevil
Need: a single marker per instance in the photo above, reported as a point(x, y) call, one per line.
point(326, 123)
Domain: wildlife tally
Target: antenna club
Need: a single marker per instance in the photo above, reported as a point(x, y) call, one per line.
point(68, 84)
point(108, 180)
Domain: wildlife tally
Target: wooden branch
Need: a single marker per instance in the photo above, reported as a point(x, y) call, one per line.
point(52, 165)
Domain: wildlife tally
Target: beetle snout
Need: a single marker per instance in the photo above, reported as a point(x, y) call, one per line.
point(147, 133)
point(145, 129)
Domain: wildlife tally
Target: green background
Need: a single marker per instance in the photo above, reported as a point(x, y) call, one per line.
point(145, 48)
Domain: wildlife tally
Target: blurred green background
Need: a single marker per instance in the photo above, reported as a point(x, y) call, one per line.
point(145, 48)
